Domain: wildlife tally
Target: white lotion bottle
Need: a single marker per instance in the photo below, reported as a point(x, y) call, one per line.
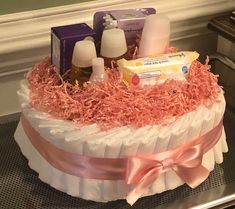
point(81, 69)
point(113, 45)
point(98, 72)
point(155, 35)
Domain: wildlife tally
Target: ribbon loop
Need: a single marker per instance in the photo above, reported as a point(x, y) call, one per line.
point(186, 161)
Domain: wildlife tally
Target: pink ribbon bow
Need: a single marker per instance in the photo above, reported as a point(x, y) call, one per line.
point(185, 160)
point(144, 171)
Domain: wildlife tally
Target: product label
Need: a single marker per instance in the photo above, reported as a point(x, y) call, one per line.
point(152, 70)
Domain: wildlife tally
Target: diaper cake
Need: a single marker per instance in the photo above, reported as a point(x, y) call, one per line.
point(116, 113)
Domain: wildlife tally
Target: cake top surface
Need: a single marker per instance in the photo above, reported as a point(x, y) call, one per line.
point(114, 103)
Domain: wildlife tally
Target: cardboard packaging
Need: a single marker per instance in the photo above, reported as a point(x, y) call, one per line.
point(129, 20)
point(63, 39)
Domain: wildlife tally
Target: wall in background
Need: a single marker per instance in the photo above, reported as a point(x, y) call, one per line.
point(13, 6)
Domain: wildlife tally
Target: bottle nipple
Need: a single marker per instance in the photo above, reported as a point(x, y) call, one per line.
point(98, 71)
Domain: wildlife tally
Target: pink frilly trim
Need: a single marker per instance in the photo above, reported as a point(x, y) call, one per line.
point(113, 103)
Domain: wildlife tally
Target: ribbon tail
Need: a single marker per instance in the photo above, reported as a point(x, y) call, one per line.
point(192, 176)
point(142, 186)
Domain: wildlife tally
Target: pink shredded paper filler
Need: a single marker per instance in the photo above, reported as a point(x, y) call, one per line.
point(113, 103)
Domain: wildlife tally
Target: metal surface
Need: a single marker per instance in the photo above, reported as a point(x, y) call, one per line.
point(223, 26)
point(222, 58)
point(20, 186)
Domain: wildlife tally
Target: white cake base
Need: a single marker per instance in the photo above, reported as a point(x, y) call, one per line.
point(100, 190)
point(115, 143)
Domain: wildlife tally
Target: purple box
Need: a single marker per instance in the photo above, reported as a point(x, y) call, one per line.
point(63, 39)
point(129, 20)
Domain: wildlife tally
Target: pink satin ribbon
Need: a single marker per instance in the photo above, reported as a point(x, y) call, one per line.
point(75, 164)
point(185, 160)
point(140, 171)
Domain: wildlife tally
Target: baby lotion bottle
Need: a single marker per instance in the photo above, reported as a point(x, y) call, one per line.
point(113, 45)
point(81, 69)
point(98, 72)
point(155, 36)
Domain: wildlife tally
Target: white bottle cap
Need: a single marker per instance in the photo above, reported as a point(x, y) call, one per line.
point(98, 72)
point(155, 36)
point(83, 53)
point(97, 65)
point(113, 43)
